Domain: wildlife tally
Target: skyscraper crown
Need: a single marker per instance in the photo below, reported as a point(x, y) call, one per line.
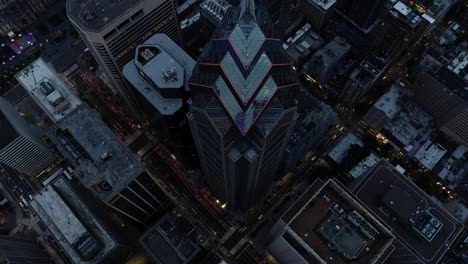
point(245, 67)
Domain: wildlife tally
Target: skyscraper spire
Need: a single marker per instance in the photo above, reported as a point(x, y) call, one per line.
point(247, 8)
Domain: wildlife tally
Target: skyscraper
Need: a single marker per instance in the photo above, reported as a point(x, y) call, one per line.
point(243, 106)
point(363, 12)
point(21, 147)
point(16, 250)
point(317, 12)
point(112, 29)
point(15, 15)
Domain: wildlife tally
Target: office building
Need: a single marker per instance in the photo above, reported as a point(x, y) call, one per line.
point(106, 167)
point(430, 154)
point(48, 90)
point(410, 128)
point(16, 250)
point(112, 29)
point(302, 44)
point(424, 230)
point(160, 72)
point(328, 225)
point(386, 107)
point(340, 151)
point(322, 65)
point(214, 10)
point(173, 239)
point(452, 169)
point(362, 79)
point(444, 95)
point(314, 120)
point(16, 15)
point(282, 12)
point(21, 146)
point(317, 12)
point(75, 229)
point(362, 12)
point(243, 107)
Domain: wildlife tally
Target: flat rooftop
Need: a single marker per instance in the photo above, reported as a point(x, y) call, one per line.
point(364, 165)
point(48, 90)
point(411, 127)
point(323, 4)
point(430, 154)
point(331, 216)
point(173, 240)
point(450, 81)
point(303, 46)
point(389, 102)
point(339, 151)
point(104, 163)
point(375, 186)
point(95, 15)
point(169, 55)
point(69, 220)
point(334, 50)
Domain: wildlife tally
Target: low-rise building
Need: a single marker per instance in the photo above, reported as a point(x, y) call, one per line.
point(430, 154)
point(341, 149)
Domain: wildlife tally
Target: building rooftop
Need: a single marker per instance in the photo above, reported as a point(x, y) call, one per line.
point(389, 103)
point(300, 48)
point(95, 15)
point(411, 127)
point(103, 163)
point(430, 154)
point(364, 165)
point(216, 9)
point(173, 239)
point(160, 72)
point(415, 219)
point(323, 4)
point(71, 223)
point(48, 90)
point(406, 14)
point(329, 226)
point(451, 81)
point(334, 50)
point(339, 151)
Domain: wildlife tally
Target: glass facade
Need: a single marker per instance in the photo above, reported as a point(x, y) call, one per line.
point(242, 108)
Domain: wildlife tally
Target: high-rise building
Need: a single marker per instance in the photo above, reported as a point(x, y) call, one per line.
point(363, 12)
point(16, 250)
point(323, 63)
point(112, 29)
point(361, 80)
point(443, 94)
point(80, 234)
point(21, 147)
point(15, 15)
point(317, 12)
point(314, 120)
point(160, 72)
point(243, 107)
